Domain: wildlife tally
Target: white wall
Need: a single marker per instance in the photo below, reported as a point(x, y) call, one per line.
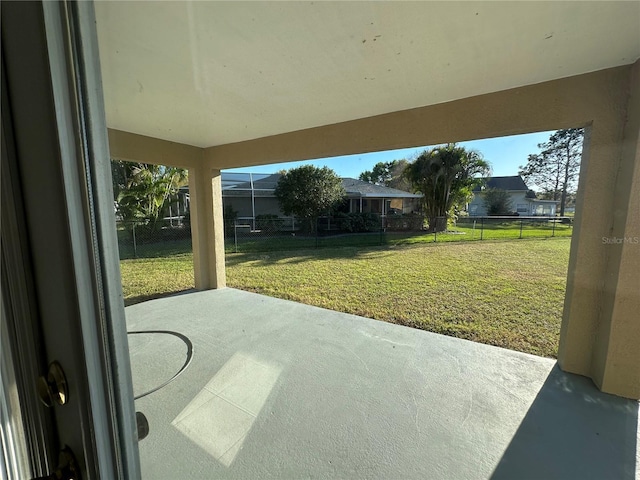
point(477, 208)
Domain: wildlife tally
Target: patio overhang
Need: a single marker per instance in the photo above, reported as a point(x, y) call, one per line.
point(225, 85)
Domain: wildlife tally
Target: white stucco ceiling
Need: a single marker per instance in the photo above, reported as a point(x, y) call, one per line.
point(210, 73)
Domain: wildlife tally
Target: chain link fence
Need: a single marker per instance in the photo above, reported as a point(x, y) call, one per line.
point(513, 227)
point(277, 233)
point(143, 239)
point(270, 233)
point(245, 235)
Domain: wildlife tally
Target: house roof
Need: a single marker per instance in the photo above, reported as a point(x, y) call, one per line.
point(513, 183)
point(243, 181)
point(535, 200)
point(365, 189)
point(240, 182)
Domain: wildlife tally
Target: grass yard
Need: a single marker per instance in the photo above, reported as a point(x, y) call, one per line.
point(467, 231)
point(148, 278)
point(508, 294)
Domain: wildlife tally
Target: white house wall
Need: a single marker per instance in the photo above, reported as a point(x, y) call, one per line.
point(517, 198)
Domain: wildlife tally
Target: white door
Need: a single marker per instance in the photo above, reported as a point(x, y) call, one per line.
point(63, 335)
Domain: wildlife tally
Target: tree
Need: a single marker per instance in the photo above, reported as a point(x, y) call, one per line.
point(389, 174)
point(445, 176)
point(309, 192)
point(497, 202)
point(142, 192)
point(380, 174)
point(555, 169)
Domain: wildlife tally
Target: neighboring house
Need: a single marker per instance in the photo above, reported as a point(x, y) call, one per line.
point(371, 198)
point(521, 202)
point(252, 194)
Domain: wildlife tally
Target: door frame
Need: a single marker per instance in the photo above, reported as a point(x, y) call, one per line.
point(61, 170)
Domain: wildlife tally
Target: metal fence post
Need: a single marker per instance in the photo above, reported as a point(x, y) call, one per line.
point(235, 234)
point(553, 228)
point(521, 229)
point(135, 246)
point(481, 227)
point(317, 231)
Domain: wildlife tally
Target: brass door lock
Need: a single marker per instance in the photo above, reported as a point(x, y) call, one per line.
point(53, 388)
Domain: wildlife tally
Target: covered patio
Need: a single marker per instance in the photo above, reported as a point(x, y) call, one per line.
point(276, 389)
point(214, 85)
point(183, 87)
point(239, 385)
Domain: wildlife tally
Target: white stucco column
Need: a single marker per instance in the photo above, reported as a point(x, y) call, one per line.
point(207, 227)
point(600, 335)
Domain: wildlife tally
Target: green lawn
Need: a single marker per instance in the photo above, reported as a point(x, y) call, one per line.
point(505, 293)
point(467, 231)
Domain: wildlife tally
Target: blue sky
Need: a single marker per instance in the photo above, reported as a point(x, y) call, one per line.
point(505, 154)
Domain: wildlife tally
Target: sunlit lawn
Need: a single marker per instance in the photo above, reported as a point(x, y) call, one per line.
point(505, 293)
point(467, 231)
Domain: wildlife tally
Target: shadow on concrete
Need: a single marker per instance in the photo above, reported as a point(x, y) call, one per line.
point(573, 431)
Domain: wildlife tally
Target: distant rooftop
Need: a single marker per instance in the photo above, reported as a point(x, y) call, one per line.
point(237, 182)
point(514, 182)
point(366, 189)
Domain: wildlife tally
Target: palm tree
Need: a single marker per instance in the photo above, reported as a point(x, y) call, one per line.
point(146, 190)
point(445, 176)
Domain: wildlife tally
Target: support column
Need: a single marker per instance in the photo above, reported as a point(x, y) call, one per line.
point(616, 362)
point(207, 227)
point(600, 335)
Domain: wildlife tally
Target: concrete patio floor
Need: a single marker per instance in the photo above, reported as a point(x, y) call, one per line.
point(276, 389)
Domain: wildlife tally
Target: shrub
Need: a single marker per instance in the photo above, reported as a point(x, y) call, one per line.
point(230, 216)
point(411, 222)
point(357, 222)
point(269, 222)
point(497, 202)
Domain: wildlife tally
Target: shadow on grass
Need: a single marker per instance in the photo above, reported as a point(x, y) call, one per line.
point(363, 252)
point(462, 233)
point(165, 248)
point(362, 241)
point(573, 431)
point(291, 257)
point(153, 296)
